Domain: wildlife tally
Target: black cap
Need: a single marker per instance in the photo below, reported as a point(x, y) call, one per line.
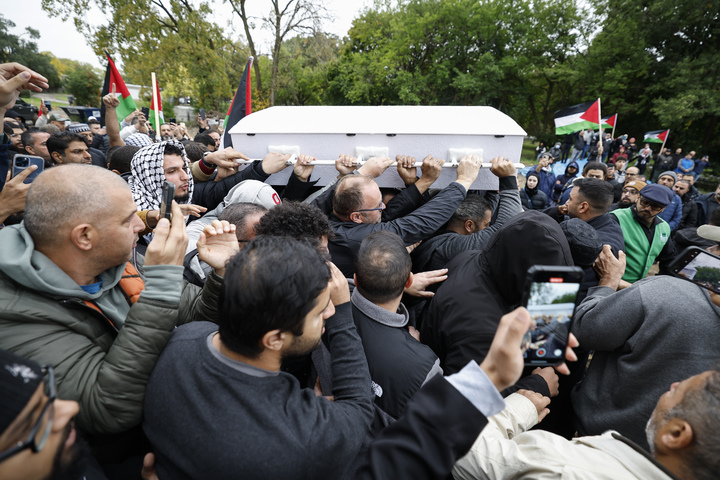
point(19, 379)
point(585, 244)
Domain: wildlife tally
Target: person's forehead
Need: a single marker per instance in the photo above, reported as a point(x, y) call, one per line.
point(632, 190)
point(41, 136)
point(632, 171)
point(173, 161)
point(77, 145)
point(595, 172)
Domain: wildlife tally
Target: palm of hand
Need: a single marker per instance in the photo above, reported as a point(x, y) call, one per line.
point(218, 249)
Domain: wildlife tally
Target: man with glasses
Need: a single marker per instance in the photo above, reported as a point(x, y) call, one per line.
point(629, 195)
point(357, 207)
point(647, 237)
point(37, 435)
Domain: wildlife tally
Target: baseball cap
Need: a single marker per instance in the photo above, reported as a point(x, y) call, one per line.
point(19, 379)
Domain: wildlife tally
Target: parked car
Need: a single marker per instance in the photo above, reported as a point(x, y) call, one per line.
point(28, 112)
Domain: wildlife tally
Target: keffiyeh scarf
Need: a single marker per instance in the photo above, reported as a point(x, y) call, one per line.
point(148, 175)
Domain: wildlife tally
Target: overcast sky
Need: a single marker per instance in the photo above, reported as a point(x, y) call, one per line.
point(62, 40)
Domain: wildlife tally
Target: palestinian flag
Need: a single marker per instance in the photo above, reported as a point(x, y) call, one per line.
point(240, 106)
point(609, 122)
point(112, 77)
point(576, 118)
point(656, 136)
point(159, 109)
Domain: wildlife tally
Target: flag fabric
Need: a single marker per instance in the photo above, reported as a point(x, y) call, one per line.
point(159, 109)
point(240, 107)
point(127, 104)
point(656, 136)
point(592, 114)
point(610, 121)
point(576, 118)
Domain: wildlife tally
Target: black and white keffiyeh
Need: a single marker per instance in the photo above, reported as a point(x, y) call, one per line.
point(138, 140)
point(148, 175)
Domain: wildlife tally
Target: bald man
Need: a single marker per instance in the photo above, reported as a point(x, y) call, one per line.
point(73, 294)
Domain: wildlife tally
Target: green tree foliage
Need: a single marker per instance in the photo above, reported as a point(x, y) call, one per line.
point(511, 54)
point(13, 48)
point(708, 274)
point(84, 83)
point(302, 80)
point(168, 37)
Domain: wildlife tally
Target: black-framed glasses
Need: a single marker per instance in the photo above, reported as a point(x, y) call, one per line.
point(652, 206)
point(381, 207)
point(38, 436)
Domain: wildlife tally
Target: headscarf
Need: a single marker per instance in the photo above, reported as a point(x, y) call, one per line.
point(138, 140)
point(148, 175)
point(532, 191)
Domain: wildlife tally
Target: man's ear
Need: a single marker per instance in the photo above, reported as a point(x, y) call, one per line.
point(57, 157)
point(584, 207)
point(84, 236)
point(29, 149)
point(675, 434)
point(469, 226)
point(356, 217)
point(274, 340)
point(408, 283)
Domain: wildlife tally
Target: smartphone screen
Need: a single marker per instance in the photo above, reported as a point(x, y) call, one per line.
point(551, 302)
point(699, 267)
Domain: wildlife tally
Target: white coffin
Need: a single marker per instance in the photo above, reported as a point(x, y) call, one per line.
point(328, 131)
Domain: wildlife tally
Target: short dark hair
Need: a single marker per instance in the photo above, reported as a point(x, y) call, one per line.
point(195, 150)
point(120, 158)
point(28, 136)
point(700, 408)
point(296, 220)
point(50, 128)
point(204, 139)
point(61, 141)
point(472, 208)
point(273, 283)
point(382, 266)
point(348, 196)
point(173, 149)
point(238, 213)
point(598, 193)
point(595, 166)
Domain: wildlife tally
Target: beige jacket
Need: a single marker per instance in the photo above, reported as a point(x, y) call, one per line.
point(505, 450)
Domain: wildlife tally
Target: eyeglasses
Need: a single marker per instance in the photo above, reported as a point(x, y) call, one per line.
point(381, 207)
point(652, 206)
point(38, 436)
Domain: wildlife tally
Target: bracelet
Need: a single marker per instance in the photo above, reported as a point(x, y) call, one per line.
point(205, 167)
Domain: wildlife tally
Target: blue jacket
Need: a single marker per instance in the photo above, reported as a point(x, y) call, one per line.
point(547, 182)
point(673, 212)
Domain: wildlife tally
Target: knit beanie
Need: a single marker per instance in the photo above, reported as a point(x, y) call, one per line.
point(19, 379)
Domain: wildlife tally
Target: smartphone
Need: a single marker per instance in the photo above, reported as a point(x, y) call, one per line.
point(145, 111)
point(171, 120)
point(550, 295)
point(48, 105)
point(201, 112)
point(182, 124)
point(699, 267)
point(21, 162)
point(168, 194)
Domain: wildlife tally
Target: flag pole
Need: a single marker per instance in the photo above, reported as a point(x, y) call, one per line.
point(155, 103)
point(662, 148)
point(600, 126)
point(613, 130)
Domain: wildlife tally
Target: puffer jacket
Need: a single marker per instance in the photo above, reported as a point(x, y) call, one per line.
point(101, 361)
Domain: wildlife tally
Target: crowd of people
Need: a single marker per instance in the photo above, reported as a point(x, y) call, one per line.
point(342, 331)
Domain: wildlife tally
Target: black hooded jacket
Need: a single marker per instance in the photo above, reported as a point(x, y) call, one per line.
point(460, 321)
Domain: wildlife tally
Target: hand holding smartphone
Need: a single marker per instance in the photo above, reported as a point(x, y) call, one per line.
point(21, 162)
point(550, 296)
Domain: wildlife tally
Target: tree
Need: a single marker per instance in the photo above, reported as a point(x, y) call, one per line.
point(303, 79)
point(14, 49)
point(285, 17)
point(162, 36)
point(84, 83)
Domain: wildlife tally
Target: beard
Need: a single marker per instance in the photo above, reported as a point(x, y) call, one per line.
point(650, 430)
point(183, 198)
point(624, 204)
point(71, 464)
